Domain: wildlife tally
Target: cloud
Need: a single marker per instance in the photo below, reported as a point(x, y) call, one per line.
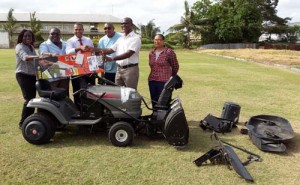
point(289, 8)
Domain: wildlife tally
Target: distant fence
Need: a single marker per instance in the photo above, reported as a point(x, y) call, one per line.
point(282, 46)
point(230, 46)
point(286, 46)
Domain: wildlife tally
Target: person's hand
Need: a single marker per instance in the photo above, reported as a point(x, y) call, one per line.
point(101, 52)
point(54, 54)
point(107, 59)
point(85, 48)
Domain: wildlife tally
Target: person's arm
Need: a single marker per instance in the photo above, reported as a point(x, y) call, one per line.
point(133, 47)
point(31, 57)
point(123, 56)
point(45, 52)
point(173, 62)
point(23, 55)
point(69, 47)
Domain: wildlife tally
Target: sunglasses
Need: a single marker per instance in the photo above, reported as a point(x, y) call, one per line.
point(107, 28)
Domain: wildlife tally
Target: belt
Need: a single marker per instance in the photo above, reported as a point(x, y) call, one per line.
point(127, 66)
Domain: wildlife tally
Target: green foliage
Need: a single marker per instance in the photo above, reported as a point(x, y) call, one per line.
point(95, 42)
point(291, 34)
point(35, 26)
point(147, 41)
point(232, 21)
point(149, 30)
point(147, 46)
point(185, 26)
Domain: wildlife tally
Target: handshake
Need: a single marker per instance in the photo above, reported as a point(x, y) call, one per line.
point(103, 53)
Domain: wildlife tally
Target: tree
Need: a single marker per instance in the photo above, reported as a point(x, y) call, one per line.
point(291, 33)
point(10, 25)
point(186, 25)
point(149, 30)
point(35, 26)
point(273, 24)
point(237, 20)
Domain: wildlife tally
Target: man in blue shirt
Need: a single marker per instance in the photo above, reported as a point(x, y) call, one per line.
point(105, 42)
point(52, 47)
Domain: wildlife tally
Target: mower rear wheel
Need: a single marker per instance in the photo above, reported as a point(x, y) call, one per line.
point(38, 128)
point(121, 134)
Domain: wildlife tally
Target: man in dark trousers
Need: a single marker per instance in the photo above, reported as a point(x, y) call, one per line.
point(77, 44)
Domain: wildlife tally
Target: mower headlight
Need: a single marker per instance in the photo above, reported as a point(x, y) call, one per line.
point(133, 95)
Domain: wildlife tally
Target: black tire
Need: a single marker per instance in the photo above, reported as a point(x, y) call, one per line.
point(121, 134)
point(38, 128)
point(58, 125)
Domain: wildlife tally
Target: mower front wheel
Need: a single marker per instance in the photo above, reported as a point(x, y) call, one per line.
point(121, 134)
point(38, 128)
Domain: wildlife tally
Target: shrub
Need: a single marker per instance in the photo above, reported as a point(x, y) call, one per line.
point(147, 46)
point(95, 42)
point(146, 41)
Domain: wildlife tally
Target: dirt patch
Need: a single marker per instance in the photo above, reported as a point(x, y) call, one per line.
point(266, 56)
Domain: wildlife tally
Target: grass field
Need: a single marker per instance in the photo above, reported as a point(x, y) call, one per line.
point(75, 157)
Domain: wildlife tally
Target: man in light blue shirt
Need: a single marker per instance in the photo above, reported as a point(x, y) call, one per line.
point(106, 42)
point(52, 47)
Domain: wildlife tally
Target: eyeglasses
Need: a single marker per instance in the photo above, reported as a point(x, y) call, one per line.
point(124, 23)
point(107, 28)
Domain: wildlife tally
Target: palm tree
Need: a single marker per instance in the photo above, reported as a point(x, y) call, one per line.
point(35, 26)
point(34, 23)
point(10, 25)
point(186, 25)
point(149, 30)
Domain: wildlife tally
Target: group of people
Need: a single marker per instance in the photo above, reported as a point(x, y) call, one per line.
point(120, 54)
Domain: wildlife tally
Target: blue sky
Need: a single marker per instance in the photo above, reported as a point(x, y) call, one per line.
point(164, 12)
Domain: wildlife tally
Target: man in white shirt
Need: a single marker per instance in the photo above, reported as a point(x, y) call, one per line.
point(127, 50)
point(77, 44)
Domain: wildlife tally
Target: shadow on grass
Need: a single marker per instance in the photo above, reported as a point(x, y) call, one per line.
point(199, 140)
point(293, 146)
point(78, 136)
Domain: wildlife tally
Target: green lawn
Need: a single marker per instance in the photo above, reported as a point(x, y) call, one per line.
point(76, 157)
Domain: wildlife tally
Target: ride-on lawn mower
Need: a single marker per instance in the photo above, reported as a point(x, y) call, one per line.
point(116, 108)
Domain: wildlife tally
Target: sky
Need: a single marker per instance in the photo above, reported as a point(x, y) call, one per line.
point(165, 13)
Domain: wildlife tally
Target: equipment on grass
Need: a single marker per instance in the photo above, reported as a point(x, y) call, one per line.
point(224, 154)
point(216, 124)
point(231, 112)
point(269, 133)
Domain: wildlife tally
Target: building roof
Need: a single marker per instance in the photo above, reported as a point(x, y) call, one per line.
point(47, 17)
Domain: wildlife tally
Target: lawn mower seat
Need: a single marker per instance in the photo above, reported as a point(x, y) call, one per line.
point(44, 90)
point(166, 94)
